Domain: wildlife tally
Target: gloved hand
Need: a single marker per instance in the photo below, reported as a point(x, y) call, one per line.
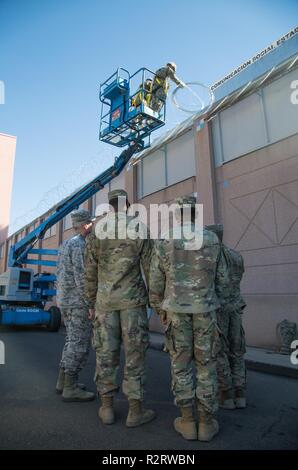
point(182, 85)
point(163, 318)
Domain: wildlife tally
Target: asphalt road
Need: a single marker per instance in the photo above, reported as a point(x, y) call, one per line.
point(32, 416)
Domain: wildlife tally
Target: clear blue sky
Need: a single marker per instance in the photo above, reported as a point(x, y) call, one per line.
point(54, 54)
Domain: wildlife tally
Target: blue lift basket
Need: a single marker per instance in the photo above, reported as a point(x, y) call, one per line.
point(126, 115)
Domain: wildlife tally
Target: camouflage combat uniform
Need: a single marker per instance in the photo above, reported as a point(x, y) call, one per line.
point(182, 284)
point(115, 287)
point(231, 364)
point(161, 86)
point(73, 305)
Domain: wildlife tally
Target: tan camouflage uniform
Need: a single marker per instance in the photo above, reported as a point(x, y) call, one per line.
point(231, 364)
point(161, 86)
point(115, 287)
point(182, 283)
point(72, 302)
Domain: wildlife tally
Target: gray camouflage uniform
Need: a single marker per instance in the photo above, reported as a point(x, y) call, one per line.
point(72, 302)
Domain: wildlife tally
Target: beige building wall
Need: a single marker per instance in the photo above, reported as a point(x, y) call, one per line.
point(7, 156)
point(258, 204)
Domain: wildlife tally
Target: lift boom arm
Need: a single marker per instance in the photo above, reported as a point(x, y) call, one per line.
point(19, 252)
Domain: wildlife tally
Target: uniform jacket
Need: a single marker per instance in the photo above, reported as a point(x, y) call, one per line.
point(183, 280)
point(71, 273)
point(114, 278)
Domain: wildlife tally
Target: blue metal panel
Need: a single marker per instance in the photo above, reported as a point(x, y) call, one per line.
point(49, 292)
point(24, 316)
point(43, 251)
point(42, 262)
point(45, 278)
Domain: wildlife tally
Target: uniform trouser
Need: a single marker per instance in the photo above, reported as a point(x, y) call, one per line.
point(230, 363)
point(109, 328)
point(77, 341)
point(158, 99)
point(193, 338)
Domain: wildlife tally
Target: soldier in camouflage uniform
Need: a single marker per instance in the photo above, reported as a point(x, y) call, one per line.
point(231, 364)
point(116, 290)
point(182, 290)
point(161, 85)
point(74, 308)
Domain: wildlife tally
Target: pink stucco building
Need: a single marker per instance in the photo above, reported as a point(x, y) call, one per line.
point(7, 155)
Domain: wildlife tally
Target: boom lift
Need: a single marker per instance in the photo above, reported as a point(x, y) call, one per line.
point(126, 115)
point(24, 294)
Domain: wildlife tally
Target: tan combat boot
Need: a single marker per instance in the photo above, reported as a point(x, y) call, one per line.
point(60, 382)
point(240, 399)
point(186, 425)
point(226, 400)
point(106, 411)
point(71, 391)
point(136, 415)
point(208, 426)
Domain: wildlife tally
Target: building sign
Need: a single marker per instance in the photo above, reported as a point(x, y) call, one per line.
point(255, 58)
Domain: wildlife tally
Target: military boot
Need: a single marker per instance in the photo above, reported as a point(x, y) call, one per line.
point(186, 425)
point(240, 399)
point(226, 400)
point(60, 382)
point(71, 391)
point(106, 411)
point(136, 415)
point(208, 426)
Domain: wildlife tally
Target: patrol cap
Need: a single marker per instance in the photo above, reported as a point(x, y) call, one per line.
point(183, 200)
point(80, 217)
point(217, 229)
point(117, 193)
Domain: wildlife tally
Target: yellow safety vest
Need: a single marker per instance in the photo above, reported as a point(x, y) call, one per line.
point(162, 83)
point(139, 97)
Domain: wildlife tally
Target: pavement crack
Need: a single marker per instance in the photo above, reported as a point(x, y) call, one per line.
point(275, 423)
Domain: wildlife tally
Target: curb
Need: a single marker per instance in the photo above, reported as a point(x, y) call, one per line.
point(273, 369)
point(251, 364)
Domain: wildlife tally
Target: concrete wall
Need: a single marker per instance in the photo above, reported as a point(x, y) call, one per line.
point(7, 156)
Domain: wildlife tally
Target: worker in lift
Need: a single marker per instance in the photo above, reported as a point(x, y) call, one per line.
point(143, 94)
point(161, 85)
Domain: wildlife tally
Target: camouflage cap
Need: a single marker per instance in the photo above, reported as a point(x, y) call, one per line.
point(183, 200)
point(217, 229)
point(116, 193)
point(80, 217)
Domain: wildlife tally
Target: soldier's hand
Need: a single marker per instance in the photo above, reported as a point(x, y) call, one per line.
point(91, 314)
point(163, 317)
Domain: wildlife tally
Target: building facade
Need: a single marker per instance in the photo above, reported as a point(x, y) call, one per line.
point(241, 161)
